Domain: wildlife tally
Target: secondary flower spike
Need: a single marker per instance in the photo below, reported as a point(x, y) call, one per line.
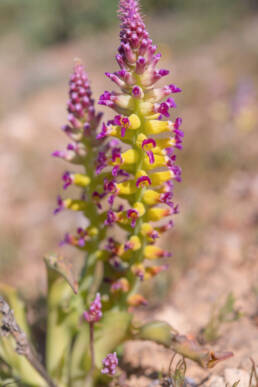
point(82, 150)
point(140, 169)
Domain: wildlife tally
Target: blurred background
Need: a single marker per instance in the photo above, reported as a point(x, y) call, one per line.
point(211, 46)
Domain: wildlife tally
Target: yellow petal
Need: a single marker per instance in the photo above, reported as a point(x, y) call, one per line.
point(159, 178)
point(135, 122)
point(131, 156)
point(159, 161)
point(126, 188)
point(81, 180)
point(151, 197)
point(153, 252)
point(135, 243)
point(155, 214)
point(165, 142)
point(157, 126)
point(140, 138)
point(140, 208)
point(75, 205)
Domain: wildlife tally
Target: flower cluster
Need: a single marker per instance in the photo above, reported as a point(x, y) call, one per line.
point(110, 364)
point(139, 160)
point(94, 313)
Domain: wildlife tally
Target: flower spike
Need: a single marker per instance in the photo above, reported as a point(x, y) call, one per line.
point(143, 162)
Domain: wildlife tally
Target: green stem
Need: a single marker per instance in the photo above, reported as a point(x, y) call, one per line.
point(89, 378)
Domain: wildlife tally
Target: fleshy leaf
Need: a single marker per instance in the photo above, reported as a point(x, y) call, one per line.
point(60, 323)
point(158, 331)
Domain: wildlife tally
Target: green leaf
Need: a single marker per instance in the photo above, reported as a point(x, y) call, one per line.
point(62, 319)
point(158, 331)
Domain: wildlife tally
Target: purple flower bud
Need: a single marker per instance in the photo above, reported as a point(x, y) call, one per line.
point(60, 154)
point(163, 72)
point(116, 79)
point(137, 92)
point(178, 122)
point(170, 101)
point(164, 109)
point(107, 99)
point(140, 65)
point(175, 89)
point(94, 313)
point(110, 364)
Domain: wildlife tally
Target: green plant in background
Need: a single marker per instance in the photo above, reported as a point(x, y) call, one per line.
point(55, 21)
point(221, 315)
point(128, 167)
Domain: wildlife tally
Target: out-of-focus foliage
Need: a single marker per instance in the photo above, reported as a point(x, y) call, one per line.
point(52, 21)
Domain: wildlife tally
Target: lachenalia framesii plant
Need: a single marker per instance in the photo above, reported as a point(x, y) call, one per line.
point(127, 189)
point(124, 190)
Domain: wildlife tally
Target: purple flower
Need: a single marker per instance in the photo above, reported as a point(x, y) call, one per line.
point(166, 198)
point(177, 171)
point(124, 125)
point(79, 240)
point(60, 205)
point(142, 181)
point(116, 154)
point(68, 240)
point(110, 364)
point(164, 107)
point(132, 214)
point(149, 141)
point(101, 162)
point(109, 186)
point(94, 313)
point(67, 179)
point(104, 132)
point(111, 218)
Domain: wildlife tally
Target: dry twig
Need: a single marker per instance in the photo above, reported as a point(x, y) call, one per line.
point(8, 327)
